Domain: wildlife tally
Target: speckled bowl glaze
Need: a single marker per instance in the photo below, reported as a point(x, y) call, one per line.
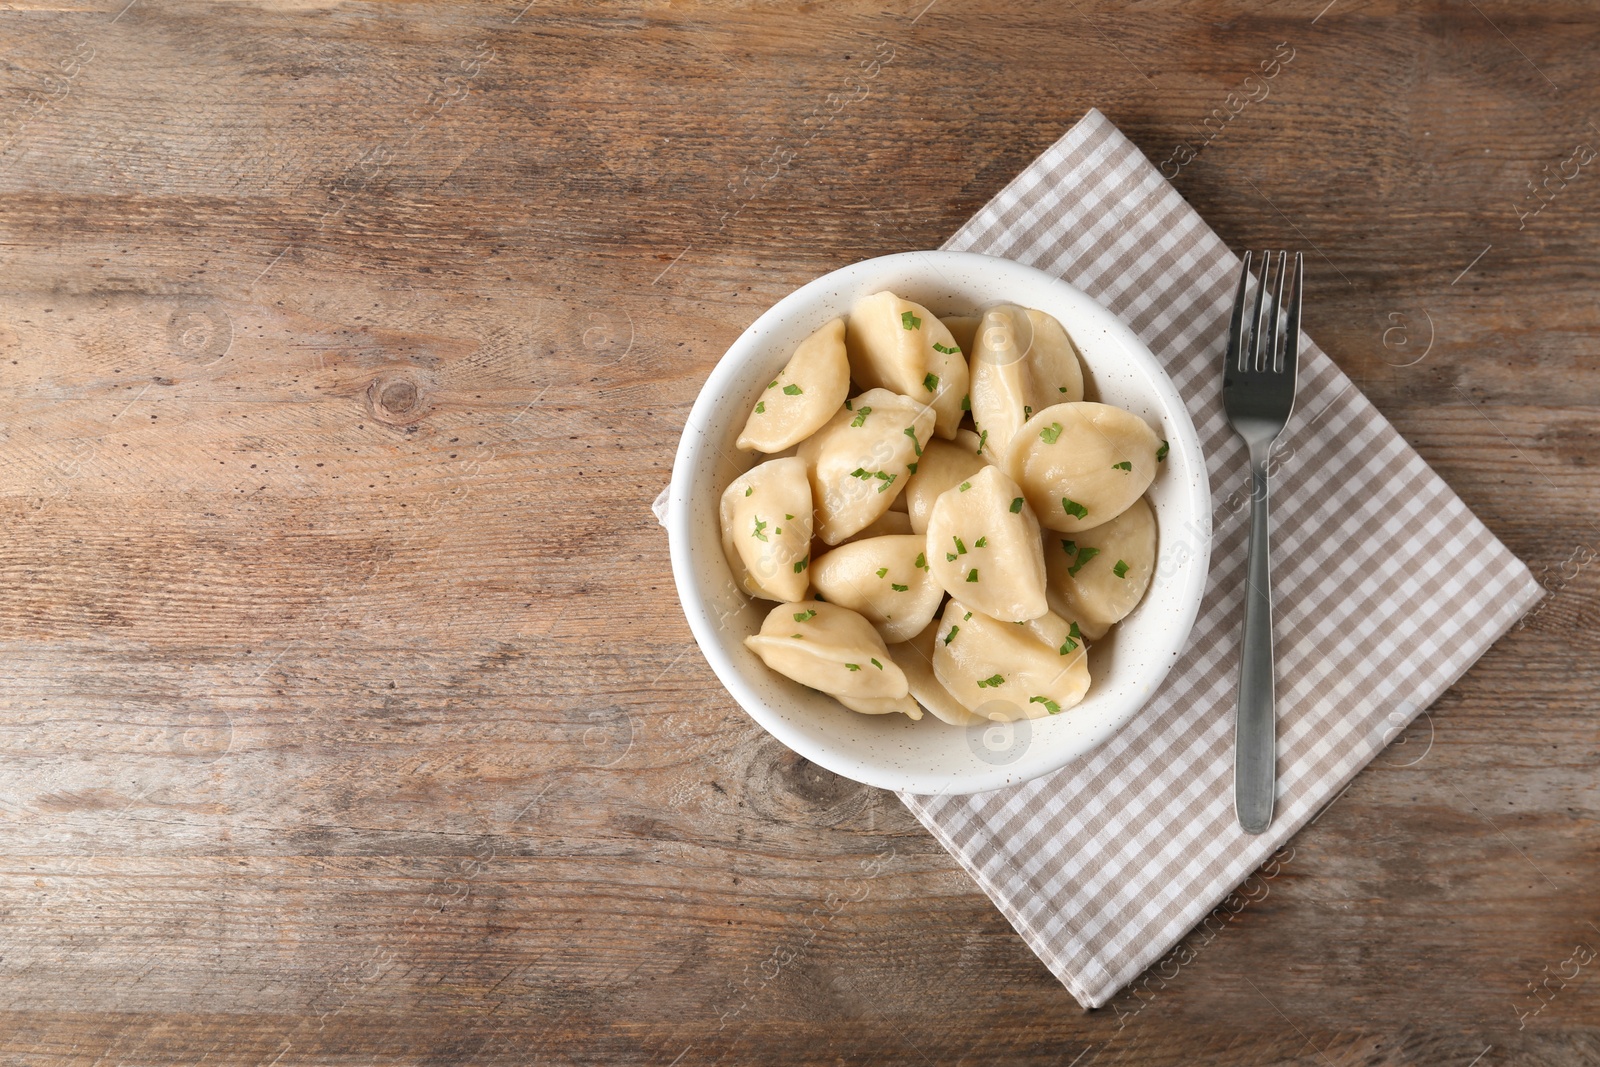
point(891, 751)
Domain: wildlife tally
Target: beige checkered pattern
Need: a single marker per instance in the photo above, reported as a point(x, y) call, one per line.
point(1387, 590)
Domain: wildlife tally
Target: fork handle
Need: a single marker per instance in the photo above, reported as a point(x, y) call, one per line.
point(1255, 730)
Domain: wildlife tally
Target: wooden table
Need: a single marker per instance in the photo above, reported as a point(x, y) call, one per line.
point(348, 712)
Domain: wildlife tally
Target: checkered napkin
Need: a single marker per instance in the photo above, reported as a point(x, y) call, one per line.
point(1387, 589)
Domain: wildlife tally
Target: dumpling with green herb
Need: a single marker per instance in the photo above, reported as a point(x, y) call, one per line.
point(830, 648)
point(983, 547)
point(1081, 465)
point(1097, 576)
point(885, 579)
point(766, 529)
point(860, 461)
point(1003, 671)
point(1022, 362)
point(900, 345)
point(804, 395)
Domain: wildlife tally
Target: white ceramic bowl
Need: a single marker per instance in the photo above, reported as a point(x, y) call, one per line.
point(891, 751)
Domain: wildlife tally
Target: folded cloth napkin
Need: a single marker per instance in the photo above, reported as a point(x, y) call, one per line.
point(1387, 589)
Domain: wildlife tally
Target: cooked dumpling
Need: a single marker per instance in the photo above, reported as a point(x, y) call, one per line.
point(1081, 465)
point(1097, 576)
point(983, 546)
point(898, 345)
point(963, 328)
point(861, 459)
point(1022, 362)
point(881, 705)
point(804, 395)
point(766, 529)
point(944, 464)
point(1056, 372)
point(829, 648)
point(1003, 671)
point(885, 579)
point(915, 658)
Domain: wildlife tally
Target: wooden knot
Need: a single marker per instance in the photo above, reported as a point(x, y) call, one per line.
point(395, 397)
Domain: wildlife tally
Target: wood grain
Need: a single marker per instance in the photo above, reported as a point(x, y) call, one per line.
point(344, 347)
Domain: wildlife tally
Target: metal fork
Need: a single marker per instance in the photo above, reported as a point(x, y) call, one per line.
point(1258, 380)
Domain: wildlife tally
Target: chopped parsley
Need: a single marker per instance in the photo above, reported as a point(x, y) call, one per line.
point(922, 561)
point(1125, 465)
point(1061, 388)
point(882, 571)
point(1070, 645)
point(1073, 508)
point(1049, 705)
point(848, 406)
point(860, 472)
point(983, 439)
point(788, 516)
point(749, 489)
point(756, 533)
point(1069, 547)
point(1027, 412)
point(949, 557)
point(994, 681)
point(967, 616)
point(1051, 434)
point(761, 407)
point(951, 636)
point(798, 567)
point(772, 384)
point(792, 390)
point(1016, 506)
point(972, 575)
point(966, 402)
point(911, 468)
point(886, 479)
point(965, 486)
point(861, 417)
point(1121, 568)
point(852, 666)
point(930, 382)
point(980, 542)
point(961, 547)
point(876, 664)
point(898, 588)
point(908, 321)
point(802, 616)
point(937, 347)
point(1085, 554)
point(911, 432)
point(1161, 453)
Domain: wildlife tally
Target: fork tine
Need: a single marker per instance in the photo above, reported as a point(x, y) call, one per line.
point(1233, 358)
point(1253, 360)
point(1269, 360)
point(1291, 340)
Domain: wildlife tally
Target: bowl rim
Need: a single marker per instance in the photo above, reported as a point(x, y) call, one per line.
point(1182, 437)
